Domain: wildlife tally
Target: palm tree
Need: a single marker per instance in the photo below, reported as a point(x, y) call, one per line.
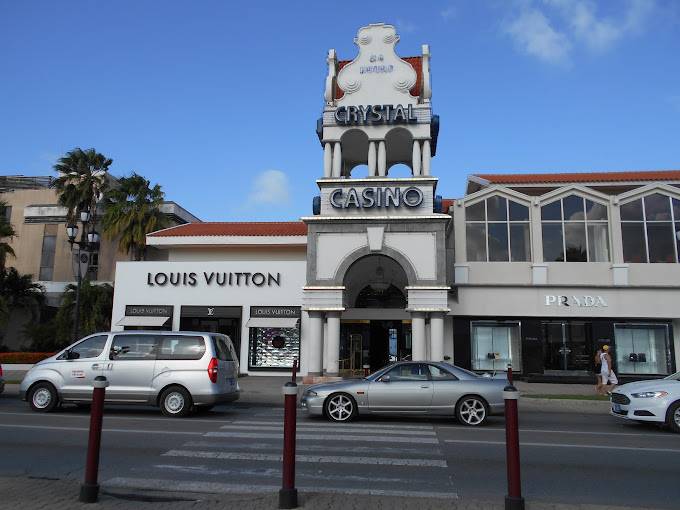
point(96, 303)
point(131, 210)
point(82, 180)
point(18, 291)
point(6, 231)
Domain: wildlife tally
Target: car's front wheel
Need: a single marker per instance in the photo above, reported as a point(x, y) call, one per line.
point(43, 397)
point(673, 417)
point(340, 408)
point(176, 402)
point(471, 411)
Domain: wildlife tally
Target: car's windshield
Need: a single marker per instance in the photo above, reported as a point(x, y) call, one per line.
point(674, 377)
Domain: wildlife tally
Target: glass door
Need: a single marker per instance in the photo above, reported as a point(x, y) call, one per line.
point(568, 346)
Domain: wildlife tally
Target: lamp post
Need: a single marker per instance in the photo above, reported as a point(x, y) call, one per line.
point(89, 243)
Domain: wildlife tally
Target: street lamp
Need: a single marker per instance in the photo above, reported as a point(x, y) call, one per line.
point(88, 243)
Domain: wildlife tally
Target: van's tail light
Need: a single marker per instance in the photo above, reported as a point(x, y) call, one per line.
point(212, 370)
point(0, 370)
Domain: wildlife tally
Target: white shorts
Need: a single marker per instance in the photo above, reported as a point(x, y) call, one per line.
point(609, 379)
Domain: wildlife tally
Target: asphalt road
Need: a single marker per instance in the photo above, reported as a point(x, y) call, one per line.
point(566, 457)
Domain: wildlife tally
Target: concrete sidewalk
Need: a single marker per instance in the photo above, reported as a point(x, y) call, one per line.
point(39, 493)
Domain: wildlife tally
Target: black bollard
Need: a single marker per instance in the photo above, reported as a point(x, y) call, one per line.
point(89, 490)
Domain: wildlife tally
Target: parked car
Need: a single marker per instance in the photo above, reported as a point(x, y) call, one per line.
point(2, 381)
point(409, 388)
point(655, 401)
point(177, 371)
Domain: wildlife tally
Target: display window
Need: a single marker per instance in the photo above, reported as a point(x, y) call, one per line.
point(495, 345)
point(274, 337)
point(642, 349)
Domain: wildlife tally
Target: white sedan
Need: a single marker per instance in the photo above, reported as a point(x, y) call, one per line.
point(649, 401)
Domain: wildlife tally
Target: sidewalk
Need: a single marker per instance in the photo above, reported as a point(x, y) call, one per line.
point(35, 493)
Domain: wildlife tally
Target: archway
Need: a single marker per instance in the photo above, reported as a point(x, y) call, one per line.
point(354, 150)
point(399, 145)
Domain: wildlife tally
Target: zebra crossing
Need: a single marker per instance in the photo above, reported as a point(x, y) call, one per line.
point(244, 455)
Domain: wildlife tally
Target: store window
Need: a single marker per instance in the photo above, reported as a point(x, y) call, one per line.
point(495, 345)
point(642, 349)
point(497, 230)
point(575, 229)
point(274, 337)
point(650, 228)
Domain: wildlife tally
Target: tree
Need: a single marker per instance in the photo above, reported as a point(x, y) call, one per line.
point(82, 181)
point(6, 231)
point(131, 210)
point(19, 291)
point(96, 304)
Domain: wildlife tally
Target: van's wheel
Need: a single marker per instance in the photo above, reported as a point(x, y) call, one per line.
point(176, 402)
point(43, 397)
point(673, 417)
point(471, 411)
point(340, 408)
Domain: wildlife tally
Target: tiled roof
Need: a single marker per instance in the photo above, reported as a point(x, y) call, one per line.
point(416, 63)
point(649, 175)
point(254, 228)
point(446, 203)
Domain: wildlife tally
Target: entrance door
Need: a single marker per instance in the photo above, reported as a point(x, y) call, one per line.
point(568, 347)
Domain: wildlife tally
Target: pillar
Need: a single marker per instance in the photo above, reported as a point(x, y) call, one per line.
point(416, 159)
point(333, 319)
point(371, 159)
point(337, 160)
point(315, 347)
point(427, 158)
point(327, 159)
point(437, 336)
point(382, 159)
point(418, 347)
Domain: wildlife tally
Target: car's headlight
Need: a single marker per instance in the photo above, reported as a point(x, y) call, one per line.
point(312, 393)
point(650, 394)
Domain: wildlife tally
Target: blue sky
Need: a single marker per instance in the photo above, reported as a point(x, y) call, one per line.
point(217, 100)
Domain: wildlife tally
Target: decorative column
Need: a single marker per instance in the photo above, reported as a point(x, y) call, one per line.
point(427, 157)
point(416, 159)
point(437, 336)
point(382, 159)
point(315, 347)
point(333, 319)
point(372, 159)
point(337, 160)
point(327, 159)
point(418, 347)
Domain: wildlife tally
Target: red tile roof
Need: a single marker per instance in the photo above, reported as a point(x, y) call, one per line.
point(416, 63)
point(649, 175)
point(446, 203)
point(220, 228)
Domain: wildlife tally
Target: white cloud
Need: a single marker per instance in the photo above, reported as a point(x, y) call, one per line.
point(271, 187)
point(534, 34)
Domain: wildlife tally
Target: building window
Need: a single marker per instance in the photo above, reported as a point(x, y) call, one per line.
point(495, 345)
point(497, 230)
point(642, 349)
point(575, 229)
point(650, 228)
point(272, 347)
point(49, 247)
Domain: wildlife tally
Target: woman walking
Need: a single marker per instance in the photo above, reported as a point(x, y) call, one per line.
point(607, 375)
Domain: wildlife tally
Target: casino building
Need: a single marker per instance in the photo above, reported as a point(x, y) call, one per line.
point(534, 270)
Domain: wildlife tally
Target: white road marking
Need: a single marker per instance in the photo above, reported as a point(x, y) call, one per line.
point(224, 488)
point(573, 432)
point(357, 430)
point(320, 459)
point(322, 423)
point(117, 417)
point(327, 437)
point(105, 429)
point(557, 445)
point(276, 447)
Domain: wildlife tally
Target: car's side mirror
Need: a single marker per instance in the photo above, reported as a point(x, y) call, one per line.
point(385, 378)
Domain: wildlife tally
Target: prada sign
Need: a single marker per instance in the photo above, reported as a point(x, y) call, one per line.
point(367, 198)
point(375, 114)
point(576, 301)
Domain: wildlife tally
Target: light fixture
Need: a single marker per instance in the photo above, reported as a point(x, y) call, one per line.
point(93, 237)
point(85, 215)
point(378, 283)
point(71, 231)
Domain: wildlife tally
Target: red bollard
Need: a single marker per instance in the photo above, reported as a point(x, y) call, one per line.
point(367, 370)
point(288, 492)
point(89, 490)
point(514, 499)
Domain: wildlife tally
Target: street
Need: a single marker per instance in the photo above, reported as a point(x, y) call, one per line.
point(567, 457)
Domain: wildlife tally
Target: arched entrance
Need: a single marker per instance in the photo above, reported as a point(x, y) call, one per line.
point(375, 329)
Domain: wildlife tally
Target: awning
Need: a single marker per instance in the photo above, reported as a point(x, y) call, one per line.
point(142, 320)
point(272, 322)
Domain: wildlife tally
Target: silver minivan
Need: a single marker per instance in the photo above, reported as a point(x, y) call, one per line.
point(175, 370)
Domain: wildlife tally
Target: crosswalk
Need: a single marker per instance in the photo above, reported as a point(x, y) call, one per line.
point(244, 455)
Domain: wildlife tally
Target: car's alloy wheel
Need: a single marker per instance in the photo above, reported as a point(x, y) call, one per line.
point(471, 411)
point(673, 420)
point(43, 397)
point(176, 402)
point(340, 408)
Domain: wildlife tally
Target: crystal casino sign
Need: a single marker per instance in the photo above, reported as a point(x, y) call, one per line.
point(375, 114)
point(377, 197)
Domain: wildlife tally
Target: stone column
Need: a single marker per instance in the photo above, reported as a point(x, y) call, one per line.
point(327, 159)
point(372, 160)
point(437, 336)
point(416, 160)
point(337, 160)
point(418, 347)
point(315, 347)
point(333, 319)
point(382, 159)
point(427, 158)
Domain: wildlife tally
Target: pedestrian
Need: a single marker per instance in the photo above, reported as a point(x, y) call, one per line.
point(607, 374)
point(598, 379)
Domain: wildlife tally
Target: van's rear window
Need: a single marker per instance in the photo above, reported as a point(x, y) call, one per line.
point(222, 349)
point(180, 347)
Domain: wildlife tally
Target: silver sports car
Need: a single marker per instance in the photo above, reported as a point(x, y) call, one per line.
point(409, 388)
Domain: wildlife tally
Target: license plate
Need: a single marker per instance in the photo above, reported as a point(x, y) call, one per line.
point(616, 408)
